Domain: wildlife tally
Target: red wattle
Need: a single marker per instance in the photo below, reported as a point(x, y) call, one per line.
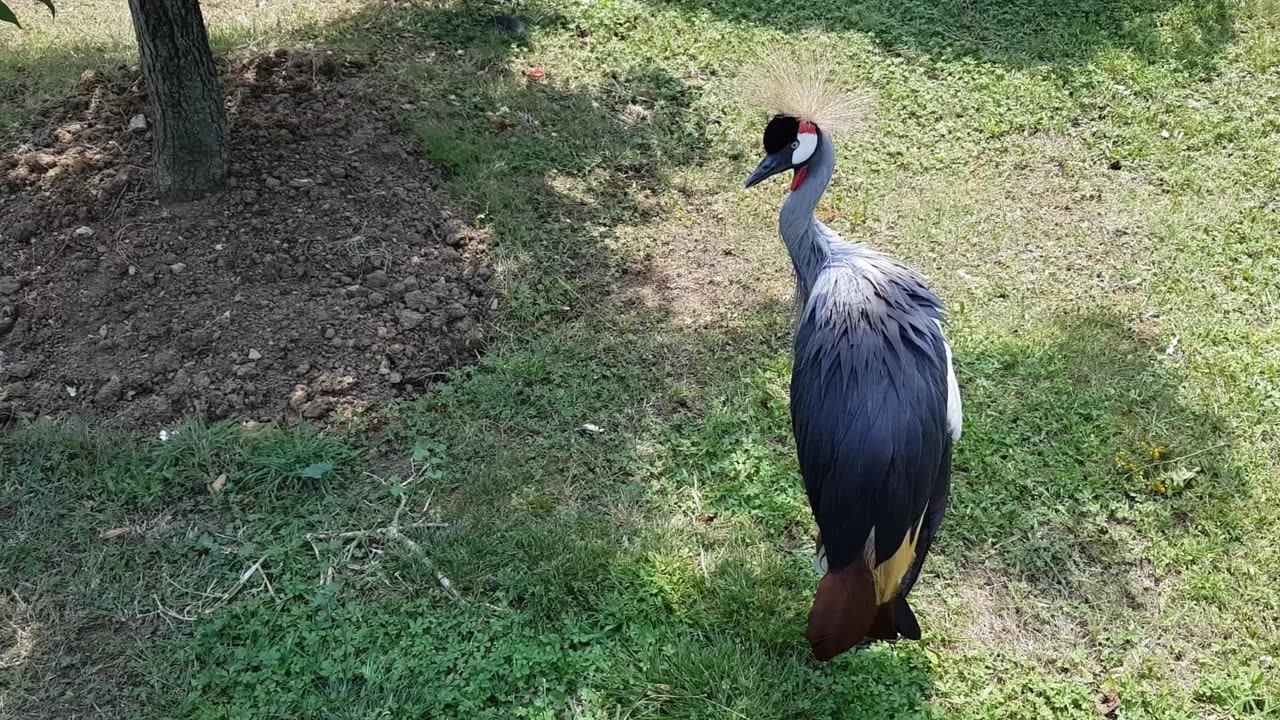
point(799, 178)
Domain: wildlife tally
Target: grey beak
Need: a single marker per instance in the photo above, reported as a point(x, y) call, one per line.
point(769, 166)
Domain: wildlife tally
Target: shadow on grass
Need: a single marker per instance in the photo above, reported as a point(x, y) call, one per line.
point(1069, 446)
point(1020, 33)
point(552, 166)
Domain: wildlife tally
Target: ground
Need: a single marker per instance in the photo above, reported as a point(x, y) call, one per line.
point(327, 279)
point(601, 518)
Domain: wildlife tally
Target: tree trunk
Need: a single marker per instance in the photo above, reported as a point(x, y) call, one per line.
point(191, 152)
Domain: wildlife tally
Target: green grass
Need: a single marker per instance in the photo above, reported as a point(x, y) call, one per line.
point(1084, 183)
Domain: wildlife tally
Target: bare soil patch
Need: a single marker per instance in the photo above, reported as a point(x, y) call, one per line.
point(330, 277)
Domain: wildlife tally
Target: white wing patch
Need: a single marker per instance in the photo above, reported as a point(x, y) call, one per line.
point(955, 413)
point(820, 560)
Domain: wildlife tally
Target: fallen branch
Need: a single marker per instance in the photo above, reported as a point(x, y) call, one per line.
point(394, 532)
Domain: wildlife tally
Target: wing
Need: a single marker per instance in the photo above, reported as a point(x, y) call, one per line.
point(869, 408)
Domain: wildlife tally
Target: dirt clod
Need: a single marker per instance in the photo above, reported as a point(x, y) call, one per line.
point(282, 297)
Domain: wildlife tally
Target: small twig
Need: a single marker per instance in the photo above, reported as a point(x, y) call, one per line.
point(190, 591)
point(224, 316)
point(115, 204)
point(170, 613)
point(1181, 458)
point(375, 532)
point(244, 578)
point(58, 253)
point(395, 532)
point(267, 582)
point(395, 519)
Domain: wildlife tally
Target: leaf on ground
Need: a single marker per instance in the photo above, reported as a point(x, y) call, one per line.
point(316, 471)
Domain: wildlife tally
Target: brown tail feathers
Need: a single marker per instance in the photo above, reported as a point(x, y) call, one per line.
point(845, 614)
point(843, 611)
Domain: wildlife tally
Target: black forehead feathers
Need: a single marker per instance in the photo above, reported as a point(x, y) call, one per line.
point(780, 132)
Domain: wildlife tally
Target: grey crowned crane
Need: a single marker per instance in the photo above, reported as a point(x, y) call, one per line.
point(875, 406)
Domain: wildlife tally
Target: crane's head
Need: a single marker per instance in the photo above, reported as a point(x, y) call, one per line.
point(806, 95)
point(789, 144)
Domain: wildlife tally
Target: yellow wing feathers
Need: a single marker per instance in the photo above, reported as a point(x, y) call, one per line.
point(888, 573)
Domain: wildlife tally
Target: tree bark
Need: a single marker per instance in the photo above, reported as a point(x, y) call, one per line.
point(191, 151)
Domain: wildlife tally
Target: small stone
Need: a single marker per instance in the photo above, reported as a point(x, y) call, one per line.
point(316, 408)
point(19, 370)
point(23, 231)
point(377, 299)
point(254, 354)
point(110, 392)
point(273, 183)
point(395, 378)
point(165, 362)
point(410, 319)
point(10, 285)
point(416, 300)
point(177, 268)
point(330, 333)
point(137, 123)
point(298, 398)
point(376, 279)
point(301, 183)
point(84, 231)
point(448, 254)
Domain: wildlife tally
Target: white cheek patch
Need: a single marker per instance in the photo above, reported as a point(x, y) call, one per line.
point(806, 144)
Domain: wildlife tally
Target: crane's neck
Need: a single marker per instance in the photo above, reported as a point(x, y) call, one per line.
point(808, 241)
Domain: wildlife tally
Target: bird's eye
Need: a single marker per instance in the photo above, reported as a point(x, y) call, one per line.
point(795, 144)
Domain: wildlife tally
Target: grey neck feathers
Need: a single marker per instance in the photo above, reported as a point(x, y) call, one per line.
point(808, 241)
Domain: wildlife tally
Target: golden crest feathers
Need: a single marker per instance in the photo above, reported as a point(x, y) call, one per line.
point(806, 87)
